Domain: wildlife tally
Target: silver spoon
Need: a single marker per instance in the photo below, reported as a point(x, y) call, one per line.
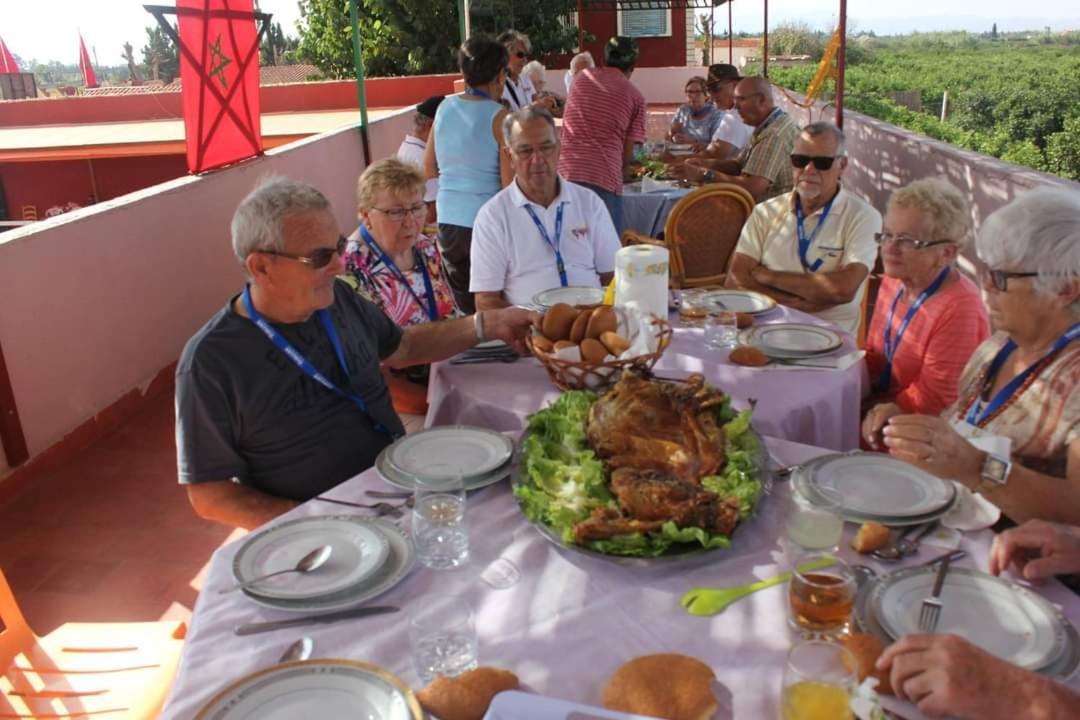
point(312, 561)
point(299, 650)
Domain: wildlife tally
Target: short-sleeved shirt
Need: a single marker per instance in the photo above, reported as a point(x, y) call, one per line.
point(732, 130)
point(1043, 420)
point(770, 237)
point(519, 93)
point(509, 254)
point(768, 154)
point(604, 111)
point(412, 151)
point(699, 126)
point(940, 339)
point(244, 410)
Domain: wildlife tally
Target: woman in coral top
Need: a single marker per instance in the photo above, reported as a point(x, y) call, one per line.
point(929, 317)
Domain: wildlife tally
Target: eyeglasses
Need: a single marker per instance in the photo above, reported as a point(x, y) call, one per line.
point(694, 92)
point(1000, 278)
point(527, 152)
point(904, 241)
point(317, 259)
point(520, 55)
point(398, 215)
point(744, 98)
point(821, 163)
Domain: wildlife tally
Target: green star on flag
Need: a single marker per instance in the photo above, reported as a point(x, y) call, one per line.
point(218, 62)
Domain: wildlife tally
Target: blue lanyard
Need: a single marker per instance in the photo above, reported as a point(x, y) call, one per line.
point(432, 307)
point(477, 93)
point(305, 365)
point(768, 121)
point(559, 265)
point(890, 344)
point(979, 414)
point(805, 242)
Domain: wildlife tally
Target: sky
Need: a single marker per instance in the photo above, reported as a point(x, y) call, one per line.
point(48, 29)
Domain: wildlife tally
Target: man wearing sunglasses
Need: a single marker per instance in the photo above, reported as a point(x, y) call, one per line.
point(812, 248)
point(279, 397)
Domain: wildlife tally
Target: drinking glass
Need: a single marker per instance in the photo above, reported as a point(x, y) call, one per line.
point(821, 600)
point(693, 310)
point(438, 519)
point(819, 677)
point(721, 329)
point(816, 525)
point(442, 637)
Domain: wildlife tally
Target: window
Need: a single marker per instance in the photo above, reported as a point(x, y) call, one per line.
point(645, 23)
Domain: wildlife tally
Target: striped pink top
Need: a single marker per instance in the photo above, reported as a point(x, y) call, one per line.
point(602, 112)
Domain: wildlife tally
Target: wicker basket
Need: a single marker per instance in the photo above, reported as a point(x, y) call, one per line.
point(582, 375)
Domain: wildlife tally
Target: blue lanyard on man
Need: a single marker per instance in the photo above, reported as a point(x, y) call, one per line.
point(477, 93)
point(432, 307)
point(305, 365)
point(559, 264)
point(806, 242)
point(777, 112)
point(890, 344)
point(979, 413)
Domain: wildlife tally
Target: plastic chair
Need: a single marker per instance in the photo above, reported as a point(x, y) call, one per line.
point(702, 231)
point(29, 212)
point(123, 670)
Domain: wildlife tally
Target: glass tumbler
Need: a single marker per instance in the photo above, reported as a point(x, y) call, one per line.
point(439, 530)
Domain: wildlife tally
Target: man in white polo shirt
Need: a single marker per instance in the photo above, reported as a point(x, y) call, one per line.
point(813, 248)
point(541, 231)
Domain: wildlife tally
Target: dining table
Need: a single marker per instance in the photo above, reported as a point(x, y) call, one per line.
point(818, 407)
point(561, 620)
point(647, 204)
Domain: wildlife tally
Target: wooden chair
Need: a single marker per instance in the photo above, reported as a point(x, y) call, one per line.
point(701, 233)
point(122, 670)
point(29, 212)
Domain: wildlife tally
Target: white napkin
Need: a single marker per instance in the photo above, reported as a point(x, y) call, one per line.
point(840, 362)
point(971, 512)
point(648, 185)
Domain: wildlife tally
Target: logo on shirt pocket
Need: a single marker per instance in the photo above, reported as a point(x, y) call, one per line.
point(580, 232)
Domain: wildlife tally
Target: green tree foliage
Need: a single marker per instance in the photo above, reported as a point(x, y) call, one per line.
point(796, 38)
point(1015, 99)
point(161, 60)
point(277, 48)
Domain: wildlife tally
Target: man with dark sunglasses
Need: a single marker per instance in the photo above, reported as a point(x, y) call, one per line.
point(280, 396)
point(812, 248)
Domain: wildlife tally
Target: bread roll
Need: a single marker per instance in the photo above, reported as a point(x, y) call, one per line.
point(615, 343)
point(467, 696)
point(563, 344)
point(542, 344)
point(743, 320)
point(577, 330)
point(749, 356)
point(593, 351)
point(558, 321)
point(603, 320)
point(870, 537)
point(669, 686)
point(867, 649)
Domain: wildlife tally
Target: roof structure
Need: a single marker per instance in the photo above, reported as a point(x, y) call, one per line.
point(268, 75)
point(650, 4)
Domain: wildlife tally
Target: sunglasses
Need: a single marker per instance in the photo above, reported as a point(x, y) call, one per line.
point(317, 259)
point(1000, 278)
point(520, 55)
point(821, 163)
point(903, 241)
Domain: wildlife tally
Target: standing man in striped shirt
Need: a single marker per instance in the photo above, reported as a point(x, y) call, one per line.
point(604, 118)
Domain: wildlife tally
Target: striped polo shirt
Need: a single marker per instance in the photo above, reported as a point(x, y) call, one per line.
point(604, 111)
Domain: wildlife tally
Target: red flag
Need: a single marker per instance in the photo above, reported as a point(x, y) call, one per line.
point(89, 79)
point(7, 60)
point(219, 71)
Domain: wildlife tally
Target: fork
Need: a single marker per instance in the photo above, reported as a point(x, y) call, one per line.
point(380, 508)
point(710, 601)
point(930, 612)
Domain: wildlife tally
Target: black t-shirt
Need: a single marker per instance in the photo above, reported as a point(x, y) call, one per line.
point(244, 410)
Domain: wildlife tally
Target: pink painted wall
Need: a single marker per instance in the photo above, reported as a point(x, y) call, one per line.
point(96, 302)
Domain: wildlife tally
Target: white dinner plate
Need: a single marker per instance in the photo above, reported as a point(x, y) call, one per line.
point(744, 301)
point(873, 484)
point(573, 295)
point(792, 340)
point(518, 705)
point(399, 561)
point(315, 689)
point(407, 482)
point(1001, 617)
point(359, 552)
point(470, 451)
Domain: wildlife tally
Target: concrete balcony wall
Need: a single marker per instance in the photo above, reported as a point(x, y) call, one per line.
point(98, 302)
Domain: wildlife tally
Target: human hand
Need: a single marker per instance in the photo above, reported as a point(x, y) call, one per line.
point(931, 443)
point(875, 420)
point(947, 675)
point(511, 325)
point(1038, 549)
point(695, 173)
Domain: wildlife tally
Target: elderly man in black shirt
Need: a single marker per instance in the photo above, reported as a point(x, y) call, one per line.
point(279, 397)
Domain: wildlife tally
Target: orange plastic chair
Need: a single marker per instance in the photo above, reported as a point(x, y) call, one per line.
point(122, 670)
point(702, 231)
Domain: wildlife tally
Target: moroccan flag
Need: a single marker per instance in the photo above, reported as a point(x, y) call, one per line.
point(219, 70)
point(89, 78)
point(7, 60)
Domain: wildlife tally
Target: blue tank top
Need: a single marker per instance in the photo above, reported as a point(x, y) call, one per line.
point(468, 158)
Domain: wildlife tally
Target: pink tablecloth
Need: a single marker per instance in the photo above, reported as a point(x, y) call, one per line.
point(814, 407)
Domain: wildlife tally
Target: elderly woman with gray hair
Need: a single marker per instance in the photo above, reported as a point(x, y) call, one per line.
point(1013, 434)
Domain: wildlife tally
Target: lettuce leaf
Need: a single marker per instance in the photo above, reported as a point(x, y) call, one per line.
point(738, 477)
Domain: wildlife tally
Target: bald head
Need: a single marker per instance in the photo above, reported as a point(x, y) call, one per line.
point(754, 100)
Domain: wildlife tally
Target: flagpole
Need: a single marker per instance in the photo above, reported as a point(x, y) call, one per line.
point(358, 64)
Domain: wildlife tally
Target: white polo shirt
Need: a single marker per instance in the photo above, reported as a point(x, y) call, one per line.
point(770, 237)
point(411, 151)
point(509, 254)
point(519, 93)
point(733, 130)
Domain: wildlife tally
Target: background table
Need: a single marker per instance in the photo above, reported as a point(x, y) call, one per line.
point(565, 626)
point(647, 212)
point(815, 407)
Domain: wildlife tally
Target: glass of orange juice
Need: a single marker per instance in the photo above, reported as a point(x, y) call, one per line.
point(819, 678)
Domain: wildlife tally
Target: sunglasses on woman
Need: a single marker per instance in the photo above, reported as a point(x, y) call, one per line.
point(520, 55)
point(821, 163)
point(316, 259)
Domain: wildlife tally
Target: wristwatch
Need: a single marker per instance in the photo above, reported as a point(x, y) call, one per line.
point(995, 473)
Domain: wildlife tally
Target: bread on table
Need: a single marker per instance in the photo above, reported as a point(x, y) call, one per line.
point(870, 537)
point(867, 649)
point(558, 321)
point(467, 696)
point(671, 686)
point(749, 356)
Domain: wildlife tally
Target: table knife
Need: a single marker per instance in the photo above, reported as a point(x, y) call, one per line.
point(260, 627)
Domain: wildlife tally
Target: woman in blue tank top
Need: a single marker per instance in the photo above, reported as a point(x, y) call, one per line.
point(464, 154)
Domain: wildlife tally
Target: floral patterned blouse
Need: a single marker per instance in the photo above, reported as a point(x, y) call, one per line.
point(370, 276)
